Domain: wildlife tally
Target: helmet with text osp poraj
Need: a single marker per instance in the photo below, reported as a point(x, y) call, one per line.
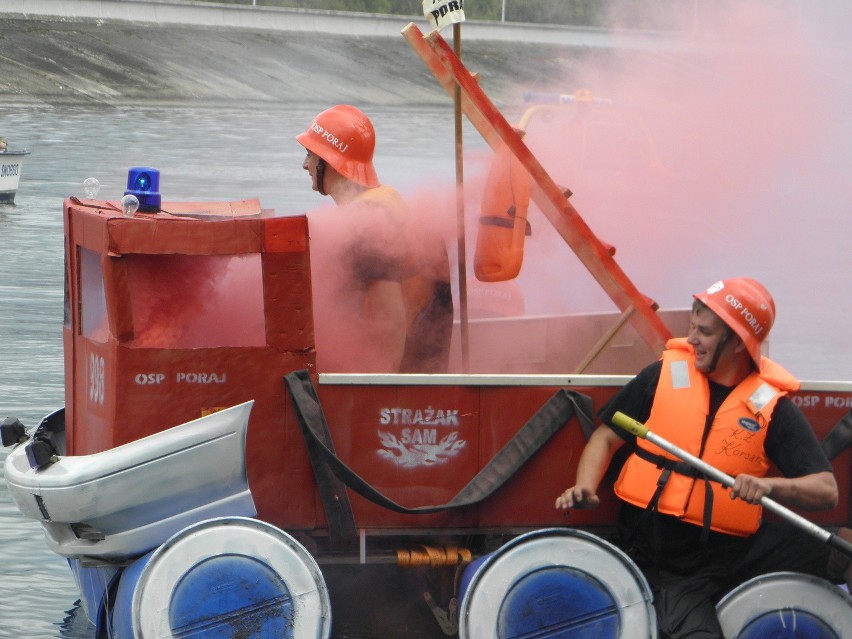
point(745, 306)
point(344, 137)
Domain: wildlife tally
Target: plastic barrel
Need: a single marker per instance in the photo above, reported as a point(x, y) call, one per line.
point(553, 584)
point(223, 578)
point(786, 605)
point(94, 584)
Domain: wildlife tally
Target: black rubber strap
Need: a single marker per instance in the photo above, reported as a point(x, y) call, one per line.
point(839, 437)
point(506, 223)
point(674, 465)
point(669, 466)
point(335, 500)
point(550, 418)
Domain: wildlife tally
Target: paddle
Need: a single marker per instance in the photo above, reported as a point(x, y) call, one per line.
point(640, 430)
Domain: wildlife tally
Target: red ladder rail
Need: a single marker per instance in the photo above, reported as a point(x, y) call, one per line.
point(548, 196)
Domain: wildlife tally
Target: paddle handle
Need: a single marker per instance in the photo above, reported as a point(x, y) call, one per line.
point(640, 430)
point(630, 425)
point(840, 544)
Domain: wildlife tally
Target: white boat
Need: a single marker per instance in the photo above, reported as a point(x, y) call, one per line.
point(11, 163)
point(127, 500)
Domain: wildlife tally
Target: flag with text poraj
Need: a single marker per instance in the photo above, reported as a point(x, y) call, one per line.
point(443, 12)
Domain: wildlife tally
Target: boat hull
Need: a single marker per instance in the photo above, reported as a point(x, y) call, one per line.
point(11, 166)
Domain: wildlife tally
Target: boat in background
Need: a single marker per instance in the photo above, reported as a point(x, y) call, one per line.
point(11, 163)
point(393, 505)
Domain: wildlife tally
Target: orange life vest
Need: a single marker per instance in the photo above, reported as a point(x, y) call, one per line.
point(734, 443)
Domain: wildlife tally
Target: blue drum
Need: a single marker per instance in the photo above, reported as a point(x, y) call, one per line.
point(554, 584)
point(224, 578)
point(786, 605)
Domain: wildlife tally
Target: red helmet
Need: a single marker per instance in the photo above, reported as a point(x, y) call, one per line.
point(745, 306)
point(344, 137)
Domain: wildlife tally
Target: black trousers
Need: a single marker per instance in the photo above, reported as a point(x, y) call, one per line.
point(689, 577)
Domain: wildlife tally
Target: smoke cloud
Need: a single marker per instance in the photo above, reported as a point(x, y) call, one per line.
point(724, 153)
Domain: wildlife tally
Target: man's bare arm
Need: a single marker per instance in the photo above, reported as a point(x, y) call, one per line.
point(591, 468)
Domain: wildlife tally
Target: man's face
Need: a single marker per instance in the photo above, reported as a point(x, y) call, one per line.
point(310, 165)
point(706, 331)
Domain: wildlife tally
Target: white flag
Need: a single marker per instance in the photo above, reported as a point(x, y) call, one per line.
point(443, 12)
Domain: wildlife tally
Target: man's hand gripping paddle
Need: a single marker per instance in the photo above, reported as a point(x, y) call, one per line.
point(637, 428)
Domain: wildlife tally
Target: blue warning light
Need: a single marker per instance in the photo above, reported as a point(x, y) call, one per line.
point(144, 183)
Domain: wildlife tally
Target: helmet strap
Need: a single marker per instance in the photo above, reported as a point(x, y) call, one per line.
point(321, 176)
point(719, 347)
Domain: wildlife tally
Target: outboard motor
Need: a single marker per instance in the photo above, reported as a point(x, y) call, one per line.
point(786, 605)
point(556, 583)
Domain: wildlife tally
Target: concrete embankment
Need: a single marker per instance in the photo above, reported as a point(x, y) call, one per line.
point(109, 52)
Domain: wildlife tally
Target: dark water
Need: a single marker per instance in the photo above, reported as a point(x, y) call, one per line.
point(217, 154)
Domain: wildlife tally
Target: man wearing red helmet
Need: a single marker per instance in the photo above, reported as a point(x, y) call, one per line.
point(395, 296)
point(715, 395)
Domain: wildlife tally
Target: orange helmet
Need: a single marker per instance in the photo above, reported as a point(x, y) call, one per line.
point(746, 307)
point(344, 137)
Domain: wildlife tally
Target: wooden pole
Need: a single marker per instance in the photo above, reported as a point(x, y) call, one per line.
point(604, 340)
point(460, 226)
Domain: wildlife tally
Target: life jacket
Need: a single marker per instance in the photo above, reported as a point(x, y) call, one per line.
point(733, 443)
